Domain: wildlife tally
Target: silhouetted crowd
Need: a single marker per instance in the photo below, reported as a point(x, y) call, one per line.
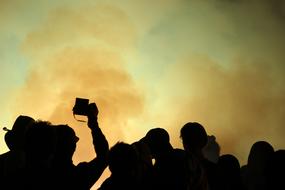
point(40, 157)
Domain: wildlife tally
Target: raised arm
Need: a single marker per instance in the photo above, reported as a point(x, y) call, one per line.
point(90, 172)
point(100, 143)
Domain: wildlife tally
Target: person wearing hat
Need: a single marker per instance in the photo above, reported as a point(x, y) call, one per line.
point(14, 159)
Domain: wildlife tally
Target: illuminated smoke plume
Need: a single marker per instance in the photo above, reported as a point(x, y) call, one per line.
point(64, 68)
point(218, 62)
point(239, 104)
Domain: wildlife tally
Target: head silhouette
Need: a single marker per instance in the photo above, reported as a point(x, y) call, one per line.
point(158, 141)
point(229, 164)
point(15, 138)
point(66, 141)
point(194, 136)
point(123, 160)
point(259, 155)
point(40, 141)
point(229, 172)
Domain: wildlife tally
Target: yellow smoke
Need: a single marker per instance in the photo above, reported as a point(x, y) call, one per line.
point(76, 54)
point(157, 64)
point(239, 105)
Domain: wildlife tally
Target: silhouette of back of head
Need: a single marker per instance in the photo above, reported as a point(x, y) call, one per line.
point(158, 141)
point(254, 173)
point(229, 164)
point(259, 154)
point(65, 142)
point(123, 164)
point(123, 160)
point(194, 136)
point(229, 170)
point(15, 138)
point(40, 141)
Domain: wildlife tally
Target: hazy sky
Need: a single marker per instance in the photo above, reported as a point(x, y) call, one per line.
point(147, 64)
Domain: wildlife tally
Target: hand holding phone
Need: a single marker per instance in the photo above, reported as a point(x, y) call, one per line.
point(92, 110)
point(82, 107)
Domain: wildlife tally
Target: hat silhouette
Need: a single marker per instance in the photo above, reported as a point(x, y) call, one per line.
point(15, 137)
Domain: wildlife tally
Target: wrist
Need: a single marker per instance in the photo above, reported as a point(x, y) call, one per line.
point(92, 123)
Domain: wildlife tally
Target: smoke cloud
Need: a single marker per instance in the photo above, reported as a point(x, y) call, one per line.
point(64, 68)
point(75, 54)
point(160, 64)
point(223, 68)
point(238, 104)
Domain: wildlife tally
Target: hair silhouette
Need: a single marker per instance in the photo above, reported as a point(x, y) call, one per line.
point(122, 159)
point(229, 171)
point(254, 172)
point(66, 142)
point(194, 137)
point(40, 141)
point(123, 162)
point(158, 141)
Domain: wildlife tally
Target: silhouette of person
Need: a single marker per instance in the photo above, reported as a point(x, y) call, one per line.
point(275, 168)
point(14, 160)
point(169, 166)
point(39, 149)
point(145, 166)
point(253, 173)
point(123, 164)
point(85, 174)
point(203, 174)
point(229, 171)
point(212, 149)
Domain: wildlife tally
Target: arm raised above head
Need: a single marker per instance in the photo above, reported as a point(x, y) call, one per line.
point(90, 172)
point(100, 142)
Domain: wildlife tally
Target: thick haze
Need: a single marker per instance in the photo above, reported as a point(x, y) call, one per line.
point(148, 64)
